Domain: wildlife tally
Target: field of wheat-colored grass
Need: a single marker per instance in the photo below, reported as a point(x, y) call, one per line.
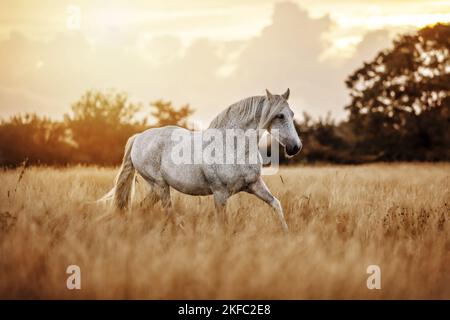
point(341, 219)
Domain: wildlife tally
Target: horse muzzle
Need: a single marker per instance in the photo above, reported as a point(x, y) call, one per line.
point(292, 150)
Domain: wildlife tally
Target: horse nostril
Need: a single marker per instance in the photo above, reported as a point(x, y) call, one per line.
point(294, 149)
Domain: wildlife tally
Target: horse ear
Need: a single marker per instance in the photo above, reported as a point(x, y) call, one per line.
point(286, 94)
point(269, 95)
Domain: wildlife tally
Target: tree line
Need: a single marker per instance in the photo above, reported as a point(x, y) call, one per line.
point(94, 132)
point(399, 111)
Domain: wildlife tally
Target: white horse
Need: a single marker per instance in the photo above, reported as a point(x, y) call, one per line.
point(150, 153)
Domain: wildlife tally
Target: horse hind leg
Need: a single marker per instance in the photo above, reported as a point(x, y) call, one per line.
point(151, 197)
point(163, 192)
point(160, 192)
point(149, 200)
point(157, 192)
point(220, 202)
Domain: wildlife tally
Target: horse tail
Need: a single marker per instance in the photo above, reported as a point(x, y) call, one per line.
point(121, 192)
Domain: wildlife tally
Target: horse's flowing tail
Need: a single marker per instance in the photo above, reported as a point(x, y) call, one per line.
point(121, 192)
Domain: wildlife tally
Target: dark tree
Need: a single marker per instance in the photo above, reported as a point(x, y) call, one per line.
point(400, 107)
point(165, 114)
point(100, 124)
point(36, 139)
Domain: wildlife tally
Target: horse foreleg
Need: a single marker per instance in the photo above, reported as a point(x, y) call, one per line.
point(260, 190)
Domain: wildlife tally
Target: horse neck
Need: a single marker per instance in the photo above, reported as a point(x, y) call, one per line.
point(242, 125)
point(251, 125)
point(252, 122)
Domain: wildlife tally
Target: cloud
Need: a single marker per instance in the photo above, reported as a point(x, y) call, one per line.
point(373, 42)
point(164, 49)
point(16, 100)
point(208, 73)
point(286, 54)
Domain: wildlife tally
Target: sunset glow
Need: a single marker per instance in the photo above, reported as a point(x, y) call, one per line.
point(142, 47)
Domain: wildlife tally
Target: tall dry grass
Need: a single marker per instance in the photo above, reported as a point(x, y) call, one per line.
point(341, 219)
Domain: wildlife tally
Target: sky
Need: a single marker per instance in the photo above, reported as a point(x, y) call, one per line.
point(208, 53)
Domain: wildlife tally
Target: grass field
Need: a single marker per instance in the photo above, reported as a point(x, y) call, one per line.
point(341, 219)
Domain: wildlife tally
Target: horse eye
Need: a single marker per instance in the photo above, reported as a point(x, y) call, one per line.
point(280, 116)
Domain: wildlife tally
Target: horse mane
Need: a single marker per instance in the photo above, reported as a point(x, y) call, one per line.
point(247, 110)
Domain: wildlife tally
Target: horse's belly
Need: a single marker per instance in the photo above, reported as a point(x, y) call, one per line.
point(186, 178)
